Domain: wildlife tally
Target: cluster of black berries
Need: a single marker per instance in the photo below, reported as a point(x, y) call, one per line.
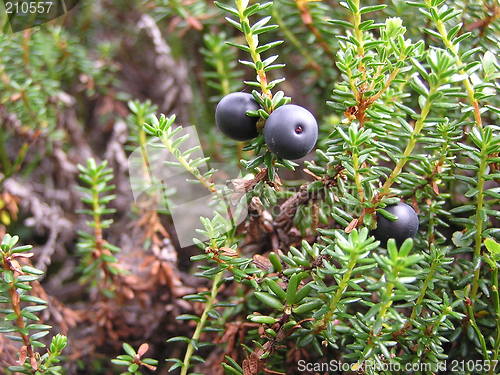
point(290, 131)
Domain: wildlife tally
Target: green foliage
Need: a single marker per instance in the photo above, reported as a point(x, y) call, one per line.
point(140, 113)
point(415, 124)
point(32, 98)
point(163, 128)
point(18, 279)
point(189, 13)
point(240, 18)
point(98, 261)
point(133, 360)
point(406, 97)
point(20, 315)
point(210, 320)
point(223, 77)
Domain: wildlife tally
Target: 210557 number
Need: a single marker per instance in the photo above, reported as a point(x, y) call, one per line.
point(473, 366)
point(28, 7)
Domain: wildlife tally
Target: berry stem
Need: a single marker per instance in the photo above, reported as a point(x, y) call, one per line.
point(252, 42)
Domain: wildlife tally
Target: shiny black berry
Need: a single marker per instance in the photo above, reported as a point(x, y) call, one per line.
point(291, 132)
point(405, 226)
point(231, 118)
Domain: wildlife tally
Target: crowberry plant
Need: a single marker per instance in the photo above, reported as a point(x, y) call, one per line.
point(333, 286)
point(19, 316)
point(370, 233)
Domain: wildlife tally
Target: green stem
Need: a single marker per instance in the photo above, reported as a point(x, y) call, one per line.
point(352, 83)
point(357, 176)
point(472, 319)
point(52, 357)
point(423, 290)
point(339, 293)
point(221, 70)
point(142, 137)
point(387, 304)
point(21, 156)
point(96, 216)
point(358, 33)
point(430, 225)
point(419, 125)
point(185, 164)
point(496, 302)
point(252, 43)
point(380, 318)
point(201, 323)
point(441, 28)
point(478, 239)
point(98, 235)
point(477, 118)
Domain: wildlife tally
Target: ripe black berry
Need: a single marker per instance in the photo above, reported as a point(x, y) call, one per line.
point(405, 226)
point(291, 132)
point(231, 118)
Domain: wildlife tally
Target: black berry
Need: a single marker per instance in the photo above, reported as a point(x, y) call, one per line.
point(291, 132)
point(231, 118)
point(405, 226)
